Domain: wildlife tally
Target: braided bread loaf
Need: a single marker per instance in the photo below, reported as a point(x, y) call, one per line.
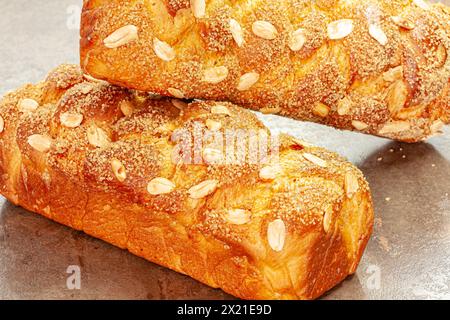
point(377, 66)
point(99, 158)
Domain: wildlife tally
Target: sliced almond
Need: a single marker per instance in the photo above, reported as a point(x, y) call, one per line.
point(176, 93)
point(212, 156)
point(160, 186)
point(238, 216)
point(119, 170)
point(297, 39)
point(340, 29)
point(321, 110)
point(441, 54)
point(71, 120)
point(403, 22)
point(215, 75)
point(359, 125)
point(351, 184)
point(2, 124)
point(198, 8)
point(247, 81)
point(28, 105)
point(220, 109)
point(47, 210)
point(314, 159)
point(40, 142)
point(327, 219)
point(270, 110)
point(269, 172)
point(435, 128)
point(126, 107)
point(237, 32)
point(179, 104)
point(265, 30)
point(121, 37)
point(422, 4)
point(378, 34)
point(393, 74)
point(203, 189)
point(213, 125)
point(97, 137)
point(344, 106)
point(276, 234)
point(395, 127)
point(163, 50)
point(397, 96)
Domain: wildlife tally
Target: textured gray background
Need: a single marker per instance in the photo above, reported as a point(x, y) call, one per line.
point(410, 248)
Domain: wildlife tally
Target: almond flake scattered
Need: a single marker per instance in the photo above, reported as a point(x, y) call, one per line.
point(276, 234)
point(203, 189)
point(28, 105)
point(160, 186)
point(71, 120)
point(97, 137)
point(215, 75)
point(436, 127)
point(220, 109)
point(344, 106)
point(40, 142)
point(238, 216)
point(351, 184)
point(265, 30)
point(378, 34)
point(126, 107)
point(397, 96)
point(247, 81)
point(237, 32)
point(340, 29)
point(121, 37)
point(327, 219)
point(321, 110)
point(395, 127)
point(297, 39)
point(314, 159)
point(270, 110)
point(359, 125)
point(119, 170)
point(163, 50)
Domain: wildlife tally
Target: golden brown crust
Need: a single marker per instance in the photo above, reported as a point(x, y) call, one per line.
point(292, 233)
point(388, 76)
